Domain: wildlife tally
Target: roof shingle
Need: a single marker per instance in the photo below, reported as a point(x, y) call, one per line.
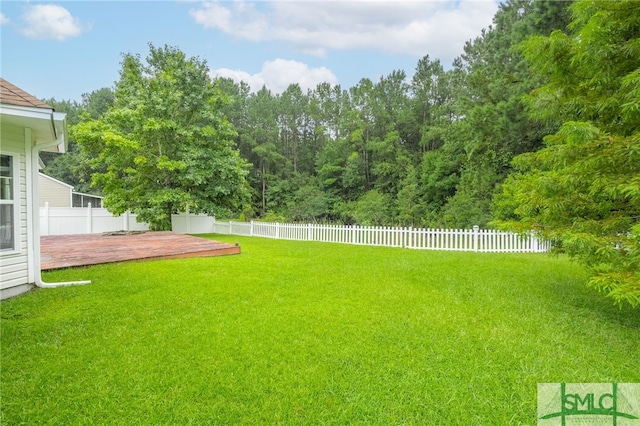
point(13, 95)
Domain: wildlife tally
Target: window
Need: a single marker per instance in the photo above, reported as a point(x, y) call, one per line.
point(8, 219)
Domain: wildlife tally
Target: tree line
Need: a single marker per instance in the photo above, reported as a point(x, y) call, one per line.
point(429, 149)
point(534, 127)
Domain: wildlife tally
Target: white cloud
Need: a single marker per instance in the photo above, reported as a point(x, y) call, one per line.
point(417, 28)
point(51, 22)
point(278, 74)
point(253, 25)
point(255, 81)
point(3, 19)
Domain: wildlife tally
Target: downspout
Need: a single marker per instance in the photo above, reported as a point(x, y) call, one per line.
point(34, 152)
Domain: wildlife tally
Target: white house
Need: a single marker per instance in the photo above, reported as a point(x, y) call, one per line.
point(27, 126)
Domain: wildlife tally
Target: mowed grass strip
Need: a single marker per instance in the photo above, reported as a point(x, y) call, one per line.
point(310, 333)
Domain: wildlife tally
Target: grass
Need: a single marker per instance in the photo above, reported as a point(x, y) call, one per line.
point(310, 333)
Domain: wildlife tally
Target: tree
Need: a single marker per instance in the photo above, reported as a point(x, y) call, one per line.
point(164, 145)
point(372, 209)
point(410, 210)
point(97, 102)
point(73, 167)
point(390, 158)
point(583, 187)
point(430, 104)
point(494, 124)
point(309, 203)
point(262, 136)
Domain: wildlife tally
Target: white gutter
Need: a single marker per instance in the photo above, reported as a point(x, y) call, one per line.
point(34, 152)
point(61, 118)
point(37, 113)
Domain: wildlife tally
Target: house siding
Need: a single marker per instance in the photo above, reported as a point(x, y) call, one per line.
point(14, 265)
point(57, 194)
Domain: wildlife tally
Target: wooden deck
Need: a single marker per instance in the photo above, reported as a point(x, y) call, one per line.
point(63, 251)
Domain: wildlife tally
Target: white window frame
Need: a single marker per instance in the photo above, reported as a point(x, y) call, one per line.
point(17, 199)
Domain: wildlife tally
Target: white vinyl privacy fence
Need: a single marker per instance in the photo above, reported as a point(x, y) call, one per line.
point(62, 220)
point(85, 220)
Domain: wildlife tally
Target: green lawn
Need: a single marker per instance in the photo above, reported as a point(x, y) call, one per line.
point(310, 333)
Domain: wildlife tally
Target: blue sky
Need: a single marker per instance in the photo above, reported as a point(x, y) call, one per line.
point(62, 49)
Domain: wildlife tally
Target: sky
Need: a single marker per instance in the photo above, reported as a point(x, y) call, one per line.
point(62, 49)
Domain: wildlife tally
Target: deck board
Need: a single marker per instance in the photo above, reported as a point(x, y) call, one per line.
point(63, 251)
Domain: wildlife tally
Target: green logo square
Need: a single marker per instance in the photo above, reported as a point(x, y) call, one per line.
point(602, 404)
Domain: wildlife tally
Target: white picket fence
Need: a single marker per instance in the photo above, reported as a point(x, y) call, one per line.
point(62, 220)
point(480, 240)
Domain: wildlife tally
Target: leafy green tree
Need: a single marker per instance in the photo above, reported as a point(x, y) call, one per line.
point(309, 203)
point(359, 125)
point(73, 166)
point(97, 102)
point(440, 174)
point(433, 107)
point(494, 125)
point(299, 138)
point(327, 104)
point(372, 209)
point(261, 137)
point(390, 157)
point(164, 145)
point(431, 104)
point(583, 187)
point(410, 209)
point(331, 165)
